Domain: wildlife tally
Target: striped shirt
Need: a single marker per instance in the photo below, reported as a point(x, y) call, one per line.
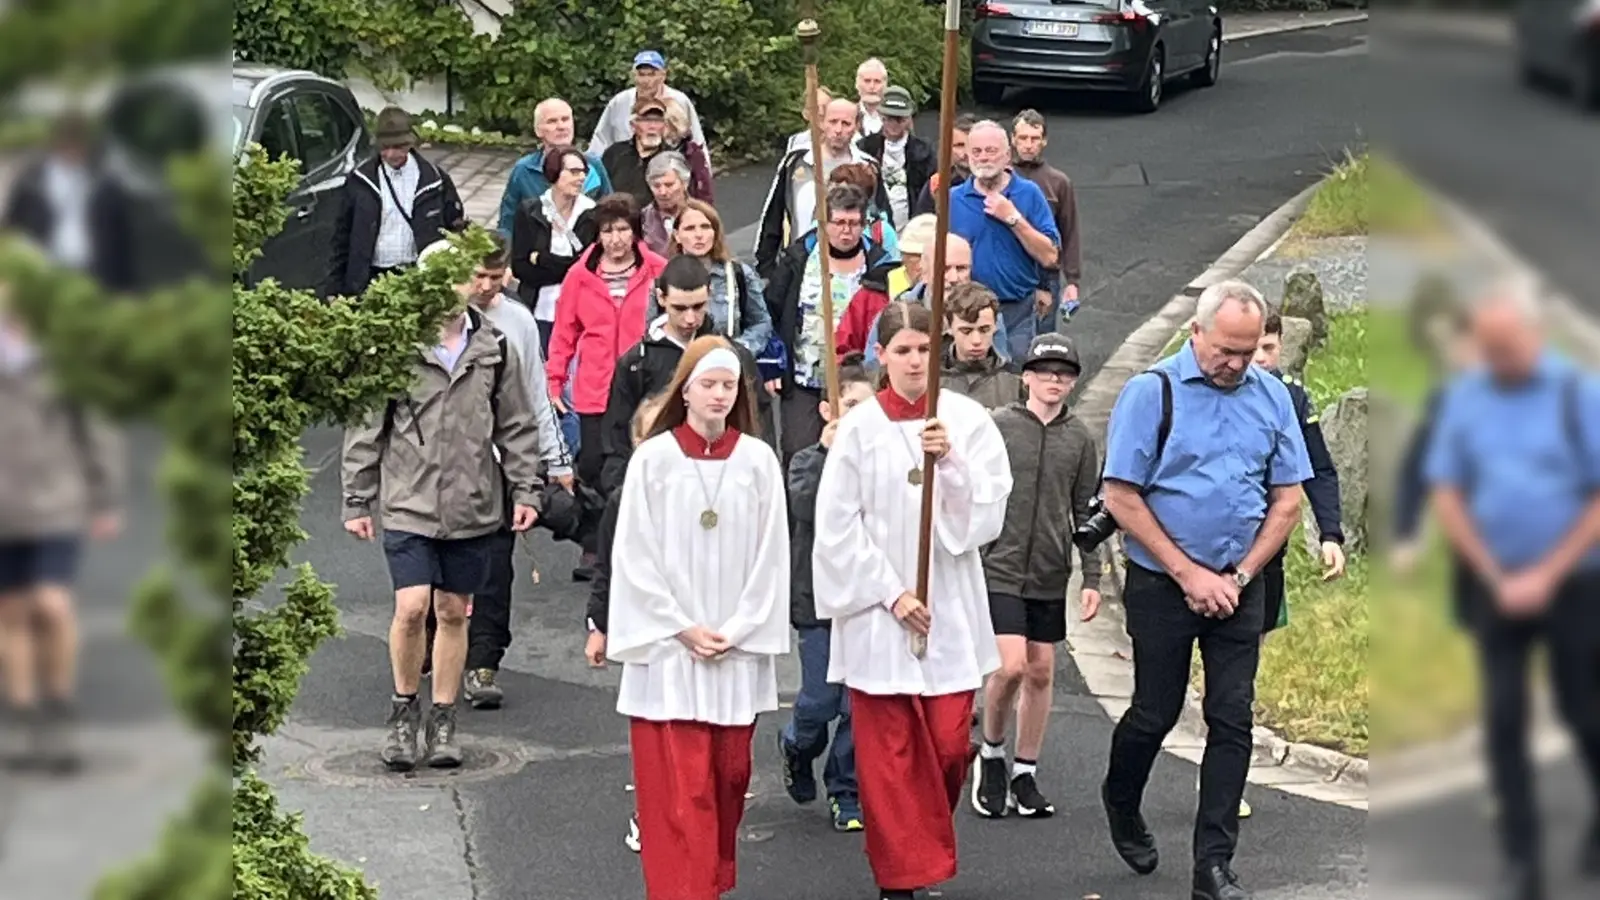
point(397, 243)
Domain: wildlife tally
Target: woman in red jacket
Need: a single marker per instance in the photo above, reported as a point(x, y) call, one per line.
point(601, 313)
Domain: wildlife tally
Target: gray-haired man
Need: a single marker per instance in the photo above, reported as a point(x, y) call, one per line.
point(668, 176)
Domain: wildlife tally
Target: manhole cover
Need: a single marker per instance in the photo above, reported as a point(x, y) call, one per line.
point(363, 768)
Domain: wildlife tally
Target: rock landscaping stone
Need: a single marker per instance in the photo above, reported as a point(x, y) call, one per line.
point(1297, 341)
point(1302, 299)
point(1344, 426)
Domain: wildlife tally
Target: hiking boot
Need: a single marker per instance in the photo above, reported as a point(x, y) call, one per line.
point(798, 778)
point(443, 751)
point(400, 751)
point(481, 691)
point(846, 813)
point(1026, 799)
point(990, 788)
point(1217, 882)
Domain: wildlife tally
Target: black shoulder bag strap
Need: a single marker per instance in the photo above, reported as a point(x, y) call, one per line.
point(395, 195)
point(1164, 430)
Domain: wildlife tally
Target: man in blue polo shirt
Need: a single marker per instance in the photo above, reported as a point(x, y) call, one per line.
point(1008, 222)
point(1203, 512)
point(1514, 466)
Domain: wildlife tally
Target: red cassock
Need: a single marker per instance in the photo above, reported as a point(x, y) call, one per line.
point(690, 780)
point(912, 756)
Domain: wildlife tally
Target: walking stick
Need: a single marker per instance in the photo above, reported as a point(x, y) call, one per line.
point(941, 231)
point(809, 32)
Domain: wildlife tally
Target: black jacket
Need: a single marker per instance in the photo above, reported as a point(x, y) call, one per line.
point(1055, 473)
point(530, 234)
point(643, 370)
point(805, 474)
point(599, 609)
point(921, 161)
point(435, 209)
point(627, 167)
point(111, 262)
point(783, 292)
point(925, 204)
point(988, 381)
point(1323, 488)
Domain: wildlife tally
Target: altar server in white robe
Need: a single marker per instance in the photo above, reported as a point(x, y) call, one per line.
point(911, 715)
point(699, 614)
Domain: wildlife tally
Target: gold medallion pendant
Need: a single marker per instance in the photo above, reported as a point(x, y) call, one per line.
point(914, 477)
point(708, 519)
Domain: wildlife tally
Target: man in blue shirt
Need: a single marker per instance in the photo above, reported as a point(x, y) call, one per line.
point(1203, 512)
point(1514, 468)
point(1008, 222)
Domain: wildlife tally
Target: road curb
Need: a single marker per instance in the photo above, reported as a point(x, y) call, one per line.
point(1102, 650)
point(1288, 27)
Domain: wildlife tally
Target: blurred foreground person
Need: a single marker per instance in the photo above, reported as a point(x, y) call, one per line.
point(61, 479)
point(1514, 467)
point(698, 617)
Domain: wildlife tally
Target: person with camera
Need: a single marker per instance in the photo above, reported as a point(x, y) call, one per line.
point(1204, 465)
point(1027, 570)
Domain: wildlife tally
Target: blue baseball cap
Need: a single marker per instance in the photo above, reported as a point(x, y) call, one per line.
point(650, 58)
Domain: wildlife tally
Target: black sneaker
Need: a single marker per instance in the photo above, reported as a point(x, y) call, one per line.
point(989, 787)
point(798, 779)
point(1026, 799)
point(585, 570)
point(481, 691)
point(400, 751)
point(631, 839)
point(443, 751)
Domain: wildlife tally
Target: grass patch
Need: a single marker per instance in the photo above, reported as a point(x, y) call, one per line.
point(1363, 195)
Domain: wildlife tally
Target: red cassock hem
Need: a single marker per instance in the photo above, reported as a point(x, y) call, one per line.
point(689, 780)
point(912, 755)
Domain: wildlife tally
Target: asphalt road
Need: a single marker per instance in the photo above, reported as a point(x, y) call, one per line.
point(540, 813)
point(1521, 158)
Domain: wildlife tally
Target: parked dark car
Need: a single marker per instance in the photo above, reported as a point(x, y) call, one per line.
point(1129, 46)
point(317, 121)
point(1558, 42)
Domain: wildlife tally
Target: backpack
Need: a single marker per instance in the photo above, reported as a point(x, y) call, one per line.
point(494, 395)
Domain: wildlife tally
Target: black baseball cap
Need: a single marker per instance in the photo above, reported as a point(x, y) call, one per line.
point(1052, 348)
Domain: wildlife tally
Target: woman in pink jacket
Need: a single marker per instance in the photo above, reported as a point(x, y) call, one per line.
point(599, 315)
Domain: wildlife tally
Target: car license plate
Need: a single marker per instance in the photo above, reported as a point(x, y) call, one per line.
point(1053, 29)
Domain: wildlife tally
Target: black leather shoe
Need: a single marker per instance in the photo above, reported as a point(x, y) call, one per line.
point(1216, 881)
point(1130, 836)
point(1519, 881)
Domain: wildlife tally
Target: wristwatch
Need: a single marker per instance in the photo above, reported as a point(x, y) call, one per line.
point(1013, 219)
point(1242, 578)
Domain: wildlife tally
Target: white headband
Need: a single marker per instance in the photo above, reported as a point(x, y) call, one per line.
point(720, 358)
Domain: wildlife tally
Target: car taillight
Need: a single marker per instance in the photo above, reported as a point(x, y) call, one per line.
point(986, 10)
point(1135, 20)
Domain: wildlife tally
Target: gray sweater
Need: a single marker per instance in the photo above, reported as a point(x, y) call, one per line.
point(517, 323)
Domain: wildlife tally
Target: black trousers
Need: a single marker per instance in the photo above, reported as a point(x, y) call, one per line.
point(1164, 631)
point(1570, 631)
point(489, 628)
point(802, 420)
point(589, 464)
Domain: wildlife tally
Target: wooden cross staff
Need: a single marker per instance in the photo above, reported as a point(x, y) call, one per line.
point(941, 231)
point(809, 32)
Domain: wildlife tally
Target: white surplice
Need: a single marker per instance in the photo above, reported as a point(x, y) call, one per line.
point(668, 573)
point(865, 554)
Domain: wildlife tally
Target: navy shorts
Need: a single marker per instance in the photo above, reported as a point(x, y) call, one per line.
point(30, 563)
point(454, 566)
point(1040, 621)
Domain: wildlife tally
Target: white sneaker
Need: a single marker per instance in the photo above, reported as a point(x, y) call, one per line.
point(632, 840)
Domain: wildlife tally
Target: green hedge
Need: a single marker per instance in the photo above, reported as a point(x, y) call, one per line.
point(739, 59)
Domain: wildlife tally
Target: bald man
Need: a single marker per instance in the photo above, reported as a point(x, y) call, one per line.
point(552, 124)
point(957, 270)
point(790, 210)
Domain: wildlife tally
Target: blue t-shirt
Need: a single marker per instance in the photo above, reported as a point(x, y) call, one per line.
point(999, 261)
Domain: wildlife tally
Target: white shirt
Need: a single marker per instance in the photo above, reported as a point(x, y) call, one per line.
point(68, 189)
point(669, 573)
point(865, 556)
point(871, 122)
point(563, 242)
point(894, 181)
point(397, 243)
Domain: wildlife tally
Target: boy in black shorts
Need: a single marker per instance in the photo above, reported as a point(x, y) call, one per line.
point(1056, 471)
point(444, 463)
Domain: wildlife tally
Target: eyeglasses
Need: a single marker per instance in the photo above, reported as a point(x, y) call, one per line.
point(848, 224)
point(575, 170)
